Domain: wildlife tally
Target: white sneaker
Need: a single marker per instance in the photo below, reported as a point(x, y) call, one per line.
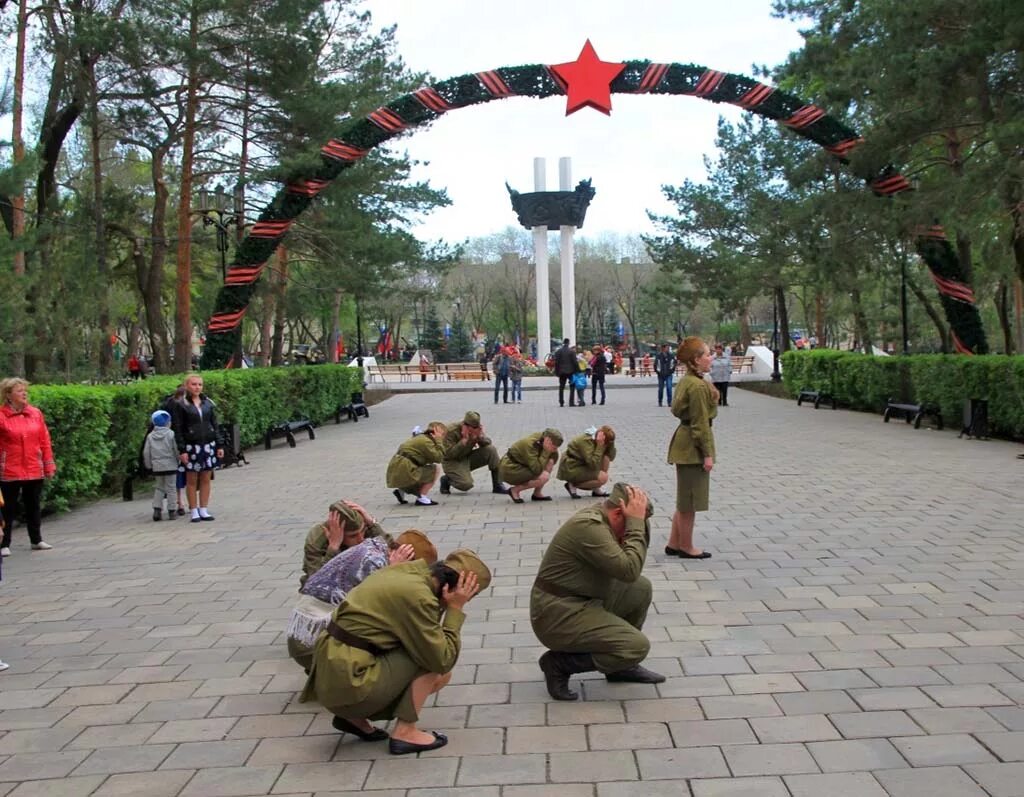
point(4, 665)
point(5, 551)
point(42, 546)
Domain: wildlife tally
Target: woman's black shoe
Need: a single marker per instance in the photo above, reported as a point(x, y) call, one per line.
point(343, 725)
point(398, 494)
point(398, 747)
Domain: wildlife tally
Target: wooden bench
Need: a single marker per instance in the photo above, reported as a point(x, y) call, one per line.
point(742, 364)
point(466, 371)
point(817, 396)
point(912, 413)
point(287, 429)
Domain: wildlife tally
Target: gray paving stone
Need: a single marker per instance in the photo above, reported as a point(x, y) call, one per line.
point(547, 739)
point(856, 755)
point(1008, 746)
point(202, 755)
point(497, 769)
point(231, 782)
point(816, 702)
point(954, 720)
point(845, 784)
point(942, 750)
point(632, 736)
point(867, 724)
point(802, 728)
point(739, 787)
point(698, 762)
point(711, 733)
point(111, 760)
point(40, 766)
point(604, 765)
point(66, 787)
point(999, 780)
point(735, 706)
point(936, 781)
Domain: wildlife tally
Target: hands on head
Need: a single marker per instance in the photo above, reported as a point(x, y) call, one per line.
point(334, 530)
point(467, 587)
point(635, 505)
point(403, 553)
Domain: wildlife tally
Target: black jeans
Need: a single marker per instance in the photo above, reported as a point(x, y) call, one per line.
point(500, 380)
point(29, 493)
point(562, 380)
point(723, 393)
point(595, 381)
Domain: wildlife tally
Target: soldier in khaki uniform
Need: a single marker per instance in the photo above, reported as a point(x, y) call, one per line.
point(388, 647)
point(692, 449)
point(528, 463)
point(413, 469)
point(347, 525)
point(467, 448)
point(589, 602)
point(587, 460)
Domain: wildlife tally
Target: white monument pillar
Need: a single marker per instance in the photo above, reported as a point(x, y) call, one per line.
point(567, 258)
point(540, 256)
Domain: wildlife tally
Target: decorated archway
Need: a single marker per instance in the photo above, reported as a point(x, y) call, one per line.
point(587, 82)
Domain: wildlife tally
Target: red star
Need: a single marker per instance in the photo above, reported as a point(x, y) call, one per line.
point(587, 81)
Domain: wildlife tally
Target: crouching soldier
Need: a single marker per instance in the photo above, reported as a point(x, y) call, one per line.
point(589, 602)
point(466, 449)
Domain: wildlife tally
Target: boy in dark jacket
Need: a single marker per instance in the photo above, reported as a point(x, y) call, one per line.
point(160, 455)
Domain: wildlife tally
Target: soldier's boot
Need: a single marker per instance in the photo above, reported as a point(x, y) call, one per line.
point(558, 666)
point(496, 485)
point(635, 675)
point(446, 486)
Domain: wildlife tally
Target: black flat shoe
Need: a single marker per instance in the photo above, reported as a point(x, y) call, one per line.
point(398, 747)
point(572, 494)
point(701, 555)
point(517, 500)
point(599, 494)
point(206, 517)
point(635, 675)
point(540, 497)
point(426, 503)
point(672, 551)
point(196, 520)
point(343, 725)
point(398, 494)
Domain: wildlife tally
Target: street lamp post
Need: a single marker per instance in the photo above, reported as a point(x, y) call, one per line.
point(903, 302)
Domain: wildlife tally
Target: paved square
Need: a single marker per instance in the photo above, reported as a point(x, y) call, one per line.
point(859, 630)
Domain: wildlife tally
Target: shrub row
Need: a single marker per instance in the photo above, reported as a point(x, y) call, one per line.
point(97, 430)
point(865, 382)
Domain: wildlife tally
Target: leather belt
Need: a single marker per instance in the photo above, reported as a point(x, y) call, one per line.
point(554, 589)
point(343, 636)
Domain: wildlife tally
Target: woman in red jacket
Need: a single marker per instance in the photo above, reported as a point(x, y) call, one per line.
point(26, 458)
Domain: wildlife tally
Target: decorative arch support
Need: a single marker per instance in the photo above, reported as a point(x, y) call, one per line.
point(357, 137)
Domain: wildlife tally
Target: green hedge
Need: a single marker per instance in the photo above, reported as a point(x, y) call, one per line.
point(98, 430)
point(866, 383)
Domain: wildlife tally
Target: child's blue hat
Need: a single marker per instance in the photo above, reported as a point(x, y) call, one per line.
point(161, 418)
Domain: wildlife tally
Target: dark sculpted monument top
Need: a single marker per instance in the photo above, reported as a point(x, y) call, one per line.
point(552, 209)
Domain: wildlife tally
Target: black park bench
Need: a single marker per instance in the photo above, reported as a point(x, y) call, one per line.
point(353, 409)
point(287, 429)
point(819, 397)
point(912, 413)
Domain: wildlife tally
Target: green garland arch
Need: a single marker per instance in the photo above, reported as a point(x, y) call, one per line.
point(357, 137)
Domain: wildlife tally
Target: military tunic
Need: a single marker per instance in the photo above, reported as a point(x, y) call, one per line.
point(461, 460)
point(604, 598)
point(693, 440)
point(315, 553)
point(413, 464)
point(396, 610)
point(525, 460)
point(583, 459)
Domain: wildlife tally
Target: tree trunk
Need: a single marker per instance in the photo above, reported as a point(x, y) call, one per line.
point(152, 282)
point(17, 362)
point(332, 340)
point(280, 291)
point(1002, 303)
point(819, 317)
point(860, 322)
point(933, 313)
point(745, 336)
point(183, 295)
point(106, 353)
point(780, 298)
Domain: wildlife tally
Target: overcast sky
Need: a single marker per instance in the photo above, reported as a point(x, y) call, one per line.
point(647, 141)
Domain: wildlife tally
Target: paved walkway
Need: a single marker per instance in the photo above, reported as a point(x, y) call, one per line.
point(858, 631)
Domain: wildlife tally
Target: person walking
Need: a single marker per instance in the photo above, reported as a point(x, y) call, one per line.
point(665, 368)
point(598, 369)
point(160, 456)
point(692, 449)
point(199, 446)
point(26, 460)
point(502, 365)
point(565, 367)
point(721, 373)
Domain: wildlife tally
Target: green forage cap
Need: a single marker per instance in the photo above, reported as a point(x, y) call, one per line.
point(350, 519)
point(465, 559)
point(554, 435)
point(472, 419)
point(620, 495)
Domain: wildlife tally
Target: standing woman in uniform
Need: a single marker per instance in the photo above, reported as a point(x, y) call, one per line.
point(692, 449)
point(26, 460)
point(199, 447)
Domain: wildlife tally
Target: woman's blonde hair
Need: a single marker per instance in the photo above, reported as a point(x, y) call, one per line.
point(8, 385)
point(436, 425)
point(688, 352)
point(609, 434)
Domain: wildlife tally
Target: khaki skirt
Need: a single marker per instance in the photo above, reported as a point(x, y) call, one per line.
point(692, 488)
